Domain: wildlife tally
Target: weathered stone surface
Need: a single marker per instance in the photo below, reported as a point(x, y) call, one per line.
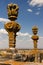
point(12, 27)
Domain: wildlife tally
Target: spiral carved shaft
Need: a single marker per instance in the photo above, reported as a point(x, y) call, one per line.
point(12, 39)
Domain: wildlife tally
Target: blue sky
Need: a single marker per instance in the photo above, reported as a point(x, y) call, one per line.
point(30, 14)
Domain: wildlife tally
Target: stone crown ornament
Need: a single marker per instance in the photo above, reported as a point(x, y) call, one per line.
point(12, 11)
point(34, 30)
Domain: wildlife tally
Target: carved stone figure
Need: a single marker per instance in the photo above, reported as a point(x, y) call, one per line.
point(12, 11)
point(35, 37)
point(12, 27)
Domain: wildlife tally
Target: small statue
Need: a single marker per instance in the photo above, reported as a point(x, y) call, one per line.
point(12, 27)
point(35, 37)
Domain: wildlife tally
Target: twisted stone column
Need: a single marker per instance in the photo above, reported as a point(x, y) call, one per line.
point(35, 38)
point(12, 27)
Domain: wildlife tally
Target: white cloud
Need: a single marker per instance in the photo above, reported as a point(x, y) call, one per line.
point(23, 40)
point(36, 2)
point(23, 34)
point(37, 13)
point(4, 20)
point(29, 10)
point(41, 37)
point(3, 39)
point(3, 31)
